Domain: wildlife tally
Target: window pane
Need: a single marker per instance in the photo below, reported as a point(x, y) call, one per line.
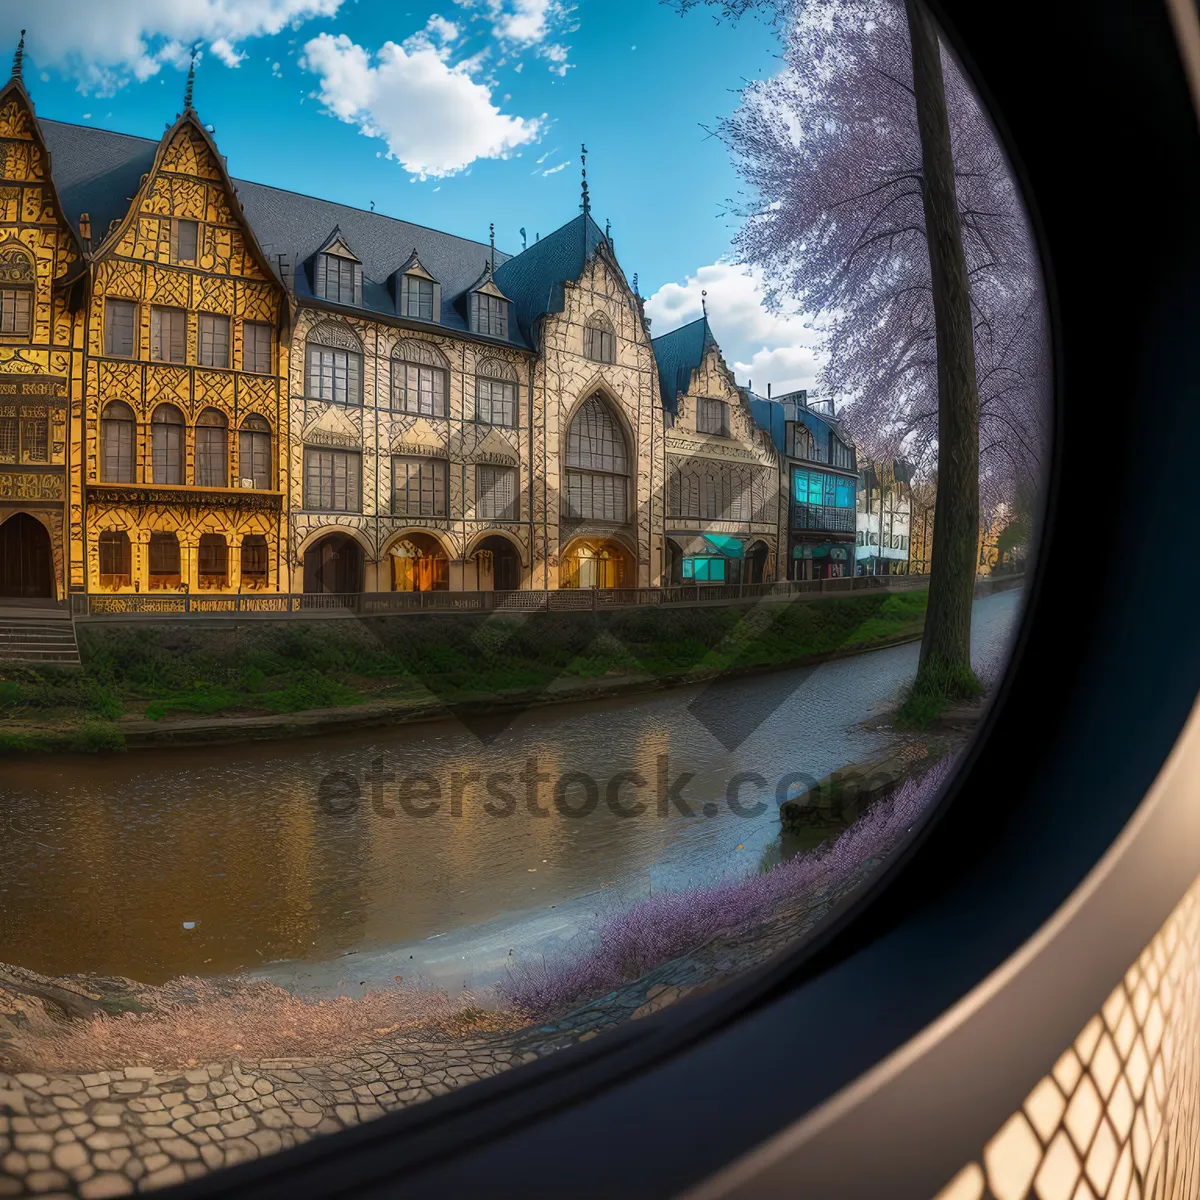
point(496, 402)
point(16, 310)
point(187, 235)
point(168, 334)
point(214, 341)
point(332, 480)
point(118, 326)
point(256, 347)
point(166, 442)
point(496, 493)
point(254, 458)
point(419, 487)
point(35, 439)
point(116, 446)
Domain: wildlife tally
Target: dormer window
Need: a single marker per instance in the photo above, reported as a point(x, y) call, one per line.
point(337, 274)
point(418, 294)
point(339, 280)
point(489, 315)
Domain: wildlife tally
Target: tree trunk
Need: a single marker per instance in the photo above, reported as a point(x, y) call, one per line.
point(945, 664)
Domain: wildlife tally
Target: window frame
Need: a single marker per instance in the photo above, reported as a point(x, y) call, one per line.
point(439, 489)
point(157, 314)
point(335, 454)
point(112, 306)
point(18, 293)
point(354, 358)
point(208, 326)
point(497, 471)
point(490, 315)
point(268, 331)
point(178, 225)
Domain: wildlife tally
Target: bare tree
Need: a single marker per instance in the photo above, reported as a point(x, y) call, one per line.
point(884, 204)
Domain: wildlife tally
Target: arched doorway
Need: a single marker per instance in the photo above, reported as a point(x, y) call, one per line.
point(334, 564)
point(596, 563)
point(26, 559)
point(504, 560)
point(419, 564)
point(756, 563)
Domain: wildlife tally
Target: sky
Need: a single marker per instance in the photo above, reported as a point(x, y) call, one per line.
point(455, 115)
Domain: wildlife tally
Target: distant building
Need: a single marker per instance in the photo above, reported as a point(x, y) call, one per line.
point(820, 478)
point(883, 520)
point(722, 511)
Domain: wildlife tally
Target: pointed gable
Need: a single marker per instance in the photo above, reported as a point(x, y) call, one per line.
point(417, 293)
point(26, 161)
point(677, 354)
point(534, 279)
point(336, 272)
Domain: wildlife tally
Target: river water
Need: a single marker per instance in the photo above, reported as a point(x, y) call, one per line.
point(349, 859)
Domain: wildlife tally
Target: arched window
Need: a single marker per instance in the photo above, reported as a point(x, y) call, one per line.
point(164, 561)
point(16, 291)
point(420, 378)
point(117, 427)
point(254, 453)
point(419, 564)
point(166, 444)
point(597, 475)
point(334, 365)
point(254, 561)
point(115, 559)
point(495, 393)
point(213, 561)
point(212, 449)
point(599, 341)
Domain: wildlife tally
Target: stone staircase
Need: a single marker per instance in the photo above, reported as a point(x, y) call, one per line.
point(37, 635)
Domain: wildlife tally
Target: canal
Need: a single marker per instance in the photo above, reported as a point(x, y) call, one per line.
point(434, 850)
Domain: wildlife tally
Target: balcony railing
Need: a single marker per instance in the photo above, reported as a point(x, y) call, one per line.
point(824, 518)
point(336, 604)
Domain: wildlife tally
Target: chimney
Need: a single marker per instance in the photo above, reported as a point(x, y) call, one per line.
point(768, 391)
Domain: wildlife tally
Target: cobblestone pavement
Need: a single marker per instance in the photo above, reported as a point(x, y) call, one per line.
point(132, 1129)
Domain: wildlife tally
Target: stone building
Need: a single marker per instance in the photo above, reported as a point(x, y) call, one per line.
point(41, 360)
point(723, 511)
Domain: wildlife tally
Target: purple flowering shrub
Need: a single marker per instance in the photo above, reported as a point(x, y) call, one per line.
point(628, 942)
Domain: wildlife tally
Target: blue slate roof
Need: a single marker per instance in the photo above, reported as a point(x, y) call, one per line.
point(678, 354)
point(98, 172)
point(771, 415)
point(533, 280)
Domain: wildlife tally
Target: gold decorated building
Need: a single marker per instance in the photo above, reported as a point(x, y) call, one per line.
point(210, 388)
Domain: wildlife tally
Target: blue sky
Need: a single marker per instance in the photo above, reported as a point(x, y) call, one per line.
point(453, 115)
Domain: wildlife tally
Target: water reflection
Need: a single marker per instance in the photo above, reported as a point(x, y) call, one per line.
point(305, 850)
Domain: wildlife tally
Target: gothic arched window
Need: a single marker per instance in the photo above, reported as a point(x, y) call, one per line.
point(254, 453)
point(420, 378)
point(597, 466)
point(166, 444)
point(334, 364)
point(117, 429)
point(599, 341)
point(212, 449)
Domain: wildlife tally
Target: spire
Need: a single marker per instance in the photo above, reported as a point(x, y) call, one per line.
point(19, 57)
point(635, 291)
point(587, 204)
point(524, 238)
point(492, 243)
point(704, 303)
point(191, 83)
point(607, 230)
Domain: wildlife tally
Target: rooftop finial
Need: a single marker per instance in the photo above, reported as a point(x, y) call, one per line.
point(704, 303)
point(635, 291)
point(19, 57)
point(587, 204)
point(492, 243)
point(524, 238)
point(607, 230)
point(191, 82)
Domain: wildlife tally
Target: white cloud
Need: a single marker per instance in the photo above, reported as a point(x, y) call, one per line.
point(555, 169)
point(522, 21)
point(103, 46)
point(758, 345)
point(527, 25)
point(456, 119)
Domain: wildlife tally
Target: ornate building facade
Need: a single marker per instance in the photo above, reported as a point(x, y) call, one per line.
point(41, 343)
point(184, 466)
point(209, 386)
point(722, 510)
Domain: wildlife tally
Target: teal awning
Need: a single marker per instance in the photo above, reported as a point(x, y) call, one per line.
point(728, 547)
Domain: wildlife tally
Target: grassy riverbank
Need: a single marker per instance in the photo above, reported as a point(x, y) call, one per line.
point(166, 673)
